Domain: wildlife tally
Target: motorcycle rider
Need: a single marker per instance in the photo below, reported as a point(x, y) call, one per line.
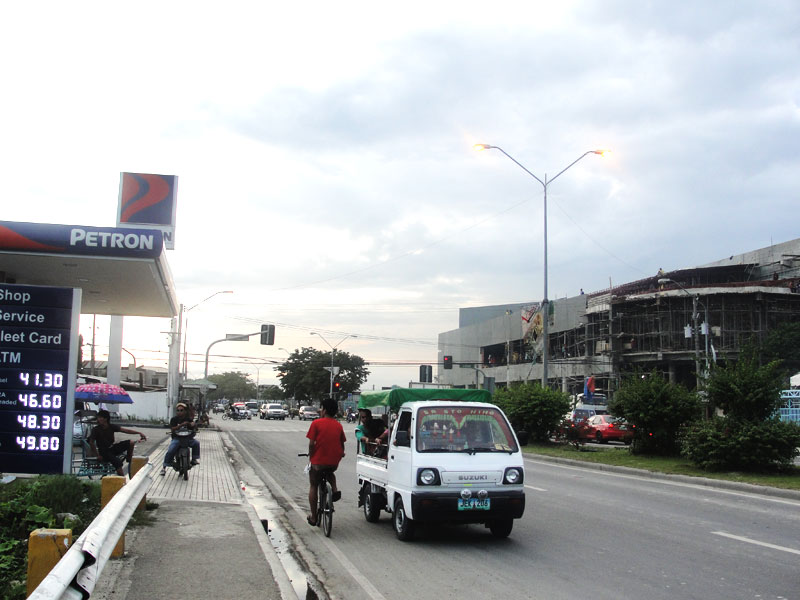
point(181, 419)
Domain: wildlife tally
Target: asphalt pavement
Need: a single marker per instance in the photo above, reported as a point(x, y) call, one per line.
point(206, 540)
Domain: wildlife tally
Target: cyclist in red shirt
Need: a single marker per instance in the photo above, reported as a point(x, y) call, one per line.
point(325, 449)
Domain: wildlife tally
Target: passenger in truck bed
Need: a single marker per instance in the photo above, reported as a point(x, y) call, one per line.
point(375, 436)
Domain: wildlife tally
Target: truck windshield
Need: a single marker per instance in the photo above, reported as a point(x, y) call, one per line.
point(463, 429)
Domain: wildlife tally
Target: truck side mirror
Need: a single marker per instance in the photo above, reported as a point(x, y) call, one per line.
point(401, 439)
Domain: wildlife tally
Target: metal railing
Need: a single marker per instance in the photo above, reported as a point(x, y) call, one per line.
point(76, 574)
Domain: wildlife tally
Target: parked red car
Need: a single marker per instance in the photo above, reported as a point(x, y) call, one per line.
point(603, 428)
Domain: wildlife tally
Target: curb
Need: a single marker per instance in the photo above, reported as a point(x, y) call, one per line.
point(751, 488)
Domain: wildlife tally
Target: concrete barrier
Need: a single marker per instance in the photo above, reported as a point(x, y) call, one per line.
point(45, 548)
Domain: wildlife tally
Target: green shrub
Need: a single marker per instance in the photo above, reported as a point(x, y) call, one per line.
point(657, 409)
point(572, 433)
point(746, 390)
point(725, 444)
point(533, 409)
point(28, 504)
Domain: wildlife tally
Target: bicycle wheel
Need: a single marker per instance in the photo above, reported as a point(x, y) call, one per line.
point(326, 508)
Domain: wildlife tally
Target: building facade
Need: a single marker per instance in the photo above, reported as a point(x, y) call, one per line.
point(676, 322)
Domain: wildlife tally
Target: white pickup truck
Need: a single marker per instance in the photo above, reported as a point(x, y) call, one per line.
point(452, 457)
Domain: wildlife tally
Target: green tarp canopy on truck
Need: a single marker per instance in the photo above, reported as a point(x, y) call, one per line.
point(395, 398)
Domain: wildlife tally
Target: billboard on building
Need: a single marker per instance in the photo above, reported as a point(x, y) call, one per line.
point(149, 201)
point(533, 338)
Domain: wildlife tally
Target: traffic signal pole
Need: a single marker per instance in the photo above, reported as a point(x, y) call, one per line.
point(233, 337)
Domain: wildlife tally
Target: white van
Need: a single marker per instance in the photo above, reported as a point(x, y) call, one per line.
point(451, 457)
point(272, 411)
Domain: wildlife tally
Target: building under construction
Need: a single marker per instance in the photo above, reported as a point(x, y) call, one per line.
point(676, 322)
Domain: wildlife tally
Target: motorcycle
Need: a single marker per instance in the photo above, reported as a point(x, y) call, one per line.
point(351, 417)
point(182, 461)
point(236, 416)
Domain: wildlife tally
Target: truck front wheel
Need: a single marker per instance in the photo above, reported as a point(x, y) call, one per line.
point(501, 528)
point(403, 526)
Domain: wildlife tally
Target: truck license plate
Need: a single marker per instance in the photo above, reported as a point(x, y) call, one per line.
point(473, 504)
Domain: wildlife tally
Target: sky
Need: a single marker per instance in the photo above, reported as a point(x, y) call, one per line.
point(325, 156)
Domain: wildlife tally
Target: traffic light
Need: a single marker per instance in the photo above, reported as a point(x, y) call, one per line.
point(448, 362)
point(336, 386)
point(267, 335)
point(425, 374)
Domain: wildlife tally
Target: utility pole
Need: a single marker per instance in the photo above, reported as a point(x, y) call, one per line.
point(698, 378)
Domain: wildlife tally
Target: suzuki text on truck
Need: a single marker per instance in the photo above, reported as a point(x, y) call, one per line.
point(451, 457)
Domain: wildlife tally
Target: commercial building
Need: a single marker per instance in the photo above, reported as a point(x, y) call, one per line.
point(677, 322)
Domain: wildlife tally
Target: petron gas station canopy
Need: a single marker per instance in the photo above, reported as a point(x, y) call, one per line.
point(49, 275)
point(122, 271)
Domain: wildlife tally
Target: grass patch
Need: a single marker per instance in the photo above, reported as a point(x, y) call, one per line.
point(675, 465)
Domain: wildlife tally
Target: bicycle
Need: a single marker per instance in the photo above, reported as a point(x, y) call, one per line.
point(324, 502)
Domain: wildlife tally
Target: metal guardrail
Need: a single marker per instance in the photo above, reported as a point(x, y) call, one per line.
point(77, 573)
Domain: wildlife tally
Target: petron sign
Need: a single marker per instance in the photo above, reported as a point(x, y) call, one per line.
point(38, 355)
point(149, 201)
point(81, 240)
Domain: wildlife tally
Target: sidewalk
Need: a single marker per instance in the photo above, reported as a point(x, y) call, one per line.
point(206, 541)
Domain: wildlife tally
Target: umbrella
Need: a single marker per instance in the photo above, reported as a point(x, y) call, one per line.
point(102, 392)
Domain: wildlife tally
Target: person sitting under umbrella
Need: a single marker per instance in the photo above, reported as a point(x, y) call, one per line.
point(102, 442)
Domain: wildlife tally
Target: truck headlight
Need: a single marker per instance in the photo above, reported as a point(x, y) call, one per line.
point(513, 476)
point(428, 477)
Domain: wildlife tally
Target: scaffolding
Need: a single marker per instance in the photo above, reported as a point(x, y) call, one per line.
point(676, 323)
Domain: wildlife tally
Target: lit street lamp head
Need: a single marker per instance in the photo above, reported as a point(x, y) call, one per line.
point(479, 147)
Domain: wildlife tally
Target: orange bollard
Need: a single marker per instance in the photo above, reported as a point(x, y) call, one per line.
point(45, 548)
point(110, 485)
point(137, 462)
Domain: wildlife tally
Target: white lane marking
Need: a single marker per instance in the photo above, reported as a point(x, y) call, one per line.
point(366, 585)
point(530, 487)
point(694, 486)
point(756, 542)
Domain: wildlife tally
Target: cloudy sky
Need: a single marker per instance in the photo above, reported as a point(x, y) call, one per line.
point(325, 162)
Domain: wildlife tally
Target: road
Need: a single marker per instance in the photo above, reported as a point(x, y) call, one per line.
point(585, 533)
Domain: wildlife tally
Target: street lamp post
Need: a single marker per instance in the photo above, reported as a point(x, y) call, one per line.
point(257, 365)
point(186, 327)
point(544, 184)
point(695, 315)
point(333, 349)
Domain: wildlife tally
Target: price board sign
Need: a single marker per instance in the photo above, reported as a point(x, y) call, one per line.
point(38, 366)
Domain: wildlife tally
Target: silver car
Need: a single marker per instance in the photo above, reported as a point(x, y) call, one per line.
point(308, 413)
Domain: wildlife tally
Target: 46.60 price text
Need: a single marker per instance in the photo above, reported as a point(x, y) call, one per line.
point(36, 400)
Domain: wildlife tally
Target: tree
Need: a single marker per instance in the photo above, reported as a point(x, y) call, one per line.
point(232, 385)
point(304, 376)
point(746, 390)
point(270, 392)
point(657, 409)
point(783, 344)
point(750, 436)
point(533, 409)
